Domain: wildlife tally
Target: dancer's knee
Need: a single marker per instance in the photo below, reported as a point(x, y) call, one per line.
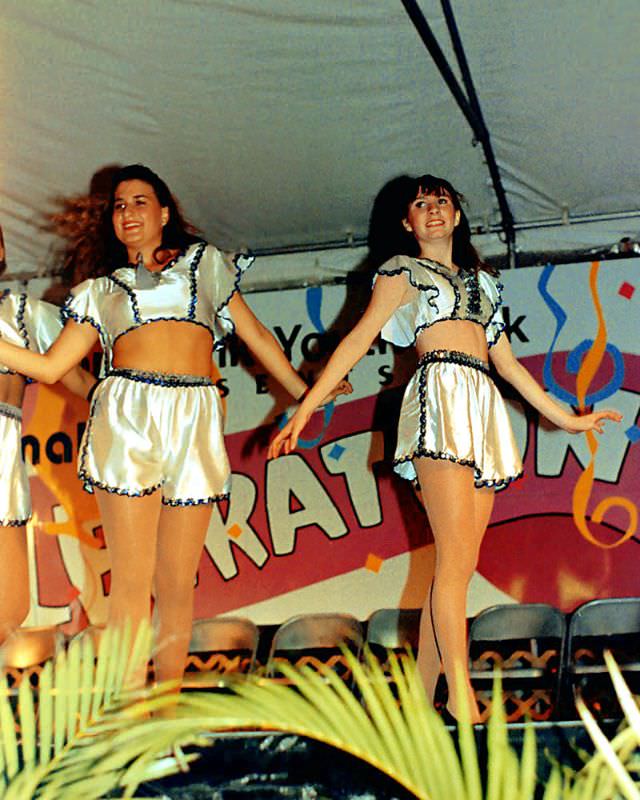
point(456, 567)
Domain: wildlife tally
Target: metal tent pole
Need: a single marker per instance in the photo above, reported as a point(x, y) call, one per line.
point(469, 104)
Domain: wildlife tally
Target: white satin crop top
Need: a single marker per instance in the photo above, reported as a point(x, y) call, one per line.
point(194, 287)
point(434, 294)
point(27, 322)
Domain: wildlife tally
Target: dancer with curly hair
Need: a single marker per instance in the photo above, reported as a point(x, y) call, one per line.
point(153, 452)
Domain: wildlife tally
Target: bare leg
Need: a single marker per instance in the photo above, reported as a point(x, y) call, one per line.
point(181, 536)
point(130, 528)
point(14, 579)
point(458, 514)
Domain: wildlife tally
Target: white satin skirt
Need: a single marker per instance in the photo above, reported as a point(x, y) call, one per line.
point(452, 410)
point(15, 498)
point(150, 431)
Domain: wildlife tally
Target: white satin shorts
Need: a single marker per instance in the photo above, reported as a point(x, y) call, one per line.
point(150, 431)
point(15, 498)
point(452, 410)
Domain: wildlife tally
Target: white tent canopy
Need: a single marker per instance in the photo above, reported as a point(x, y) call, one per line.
point(276, 122)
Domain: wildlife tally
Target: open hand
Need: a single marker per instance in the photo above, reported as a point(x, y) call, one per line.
point(590, 422)
point(287, 439)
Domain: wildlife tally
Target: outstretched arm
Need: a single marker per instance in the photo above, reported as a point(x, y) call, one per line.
point(264, 346)
point(266, 349)
point(519, 377)
point(73, 344)
point(387, 296)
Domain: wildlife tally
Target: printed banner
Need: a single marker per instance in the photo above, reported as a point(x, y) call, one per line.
point(330, 527)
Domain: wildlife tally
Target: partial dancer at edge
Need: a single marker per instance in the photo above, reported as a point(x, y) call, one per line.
point(32, 324)
point(454, 434)
point(153, 449)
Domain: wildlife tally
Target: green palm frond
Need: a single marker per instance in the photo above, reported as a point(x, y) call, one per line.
point(89, 732)
point(404, 737)
point(87, 727)
point(610, 769)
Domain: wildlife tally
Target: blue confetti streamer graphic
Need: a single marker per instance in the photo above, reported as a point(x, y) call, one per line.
point(574, 358)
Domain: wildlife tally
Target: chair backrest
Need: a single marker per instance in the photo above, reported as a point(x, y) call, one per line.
point(222, 634)
point(606, 617)
point(597, 625)
point(518, 621)
point(27, 647)
point(394, 628)
point(315, 640)
point(222, 645)
point(310, 631)
point(525, 642)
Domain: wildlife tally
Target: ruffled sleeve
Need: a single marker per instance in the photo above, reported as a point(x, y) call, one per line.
point(83, 304)
point(43, 323)
point(492, 288)
point(418, 312)
point(224, 272)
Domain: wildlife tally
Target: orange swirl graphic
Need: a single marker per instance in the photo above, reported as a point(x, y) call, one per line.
point(584, 484)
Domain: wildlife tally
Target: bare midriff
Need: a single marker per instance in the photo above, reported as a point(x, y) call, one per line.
point(12, 389)
point(168, 346)
point(454, 334)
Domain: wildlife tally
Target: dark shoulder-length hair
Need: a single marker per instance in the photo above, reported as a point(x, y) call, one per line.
point(177, 234)
point(388, 237)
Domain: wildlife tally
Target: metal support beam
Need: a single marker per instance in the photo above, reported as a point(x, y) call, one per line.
point(469, 104)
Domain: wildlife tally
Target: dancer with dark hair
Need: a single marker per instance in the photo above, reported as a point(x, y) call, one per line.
point(34, 325)
point(153, 449)
point(454, 435)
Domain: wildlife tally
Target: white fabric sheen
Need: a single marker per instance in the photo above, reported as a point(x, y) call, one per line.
point(115, 304)
point(27, 322)
point(435, 294)
point(455, 412)
point(142, 437)
point(15, 498)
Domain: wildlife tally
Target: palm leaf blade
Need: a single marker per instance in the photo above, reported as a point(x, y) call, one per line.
point(8, 728)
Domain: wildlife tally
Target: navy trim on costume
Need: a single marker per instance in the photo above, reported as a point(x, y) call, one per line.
point(90, 483)
point(167, 501)
point(160, 378)
point(463, 359)
point(10, 412)
point(499, 326)
point(479, 481)
point(421, 286)
point(14, 523)
point(239, 272)
point(236, 286)
point(135, 309)
point(470, 281)
point(453, 357)
point(193, 279)
point(68, 313)
point(22, 328)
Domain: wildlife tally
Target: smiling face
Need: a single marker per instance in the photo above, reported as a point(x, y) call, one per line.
point(431, 217)
point(138, 217)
